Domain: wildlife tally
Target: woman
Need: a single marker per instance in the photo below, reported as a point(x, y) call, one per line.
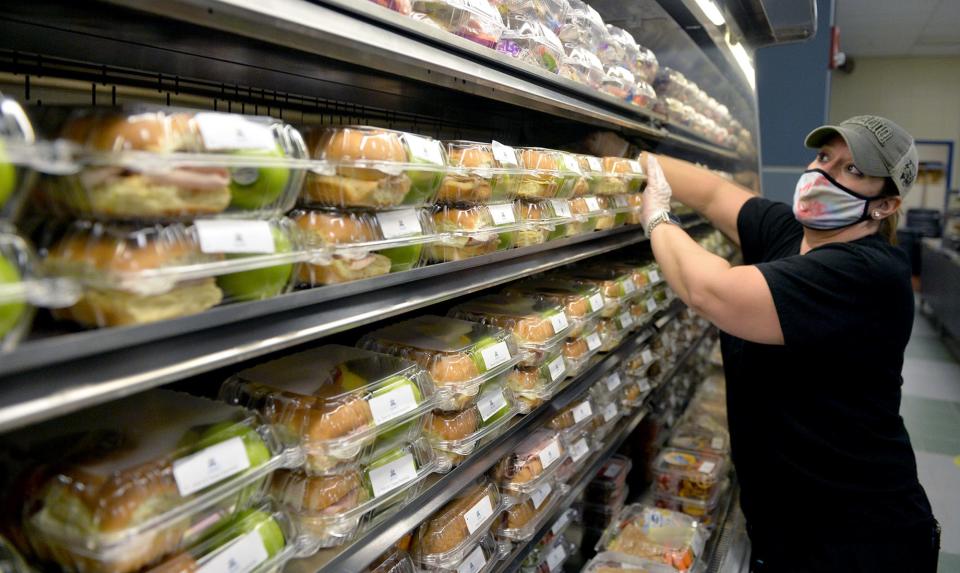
point(814, 329)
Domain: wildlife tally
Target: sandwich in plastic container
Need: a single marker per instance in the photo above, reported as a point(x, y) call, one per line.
point(617, 285)
point(394, 560)
point(579, 447)
point(543, 177)
point(471, 231)
point(577, 351)
point(17, 153)
point(542, 222)
point(582, 302)
point(660, 535)
point(688, 474)
point(583, 67)
point(608, 562)
point(475, 20)
point(582, 27)
point(118, 487)
point(530, 41)
point(592, 169)
point(140, 163)
point(609, 411)
point(700, 434)
point(340, 404)
point(534, 386)
point(483, 558)
point(479, 173)
point(449, 536)
point(575, 418)
point(533, 462)
point(608, 214)
point(620, 175)
point(524, 515)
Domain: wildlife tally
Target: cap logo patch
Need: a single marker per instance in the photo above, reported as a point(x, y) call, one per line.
point(874, 125)
point(908, 173)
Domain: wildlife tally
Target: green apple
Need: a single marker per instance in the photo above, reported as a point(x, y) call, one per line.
point(8, 176)
point(263, 523)
point(259, 284)
point(507, 240)
point(403, 258)
point(257, 451)
point(11, 312)
point(253, 188)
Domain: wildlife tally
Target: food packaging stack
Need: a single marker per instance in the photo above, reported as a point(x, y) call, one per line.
point(158, 480)
point(526, 513)
point(619, 290)
point(582, 32)
point(641, 370)
point(606, 494)
point(469, 364)
point(533, 463)
point(690, 482)
point(658, 535)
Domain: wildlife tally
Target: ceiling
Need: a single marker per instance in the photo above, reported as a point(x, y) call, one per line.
point(899, 27)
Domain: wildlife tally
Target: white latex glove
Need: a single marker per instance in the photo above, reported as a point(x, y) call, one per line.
point(657, 195)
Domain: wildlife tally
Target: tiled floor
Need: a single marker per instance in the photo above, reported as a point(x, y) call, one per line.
point(931, 411)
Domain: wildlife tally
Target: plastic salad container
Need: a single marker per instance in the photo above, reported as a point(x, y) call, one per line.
point(122, 485)
point(530, 41)
point(454, 435)
point(522, 518)
point(449, 535)
point(479, 173)
point(620, 175)
point(572, 420)
point(619, 82)
point(582, 302)
point(532, 463)
point(659, 535)
point(647, 65)
point(578, 351)
point(340, 404)
point(331, 509)
point(351, 245)
point(472, 231)
point(608, 562)
point(582, 27)
point(583, 67)
point(17, 140)
point(542, 178)
point(481, 559)
point(578, 452)
point(610, 481)
point(688, 474)
point(134, 274)
point(372, 168)
point(534, 386)
point(475, 20)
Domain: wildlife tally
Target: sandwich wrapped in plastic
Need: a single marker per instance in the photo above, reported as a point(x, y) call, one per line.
point(346, 246)
point(610, 481)
point(583, 67)
point(619, 82)
point(524, 515)
point(704, 511)
point(479, 173)
point(578, 350)
point(620, 175)
point(116, 488)
point(459, 355)
point(257, 540)
point(553, 556)
point(530, 41)
point(330, 510)
point(140, 163)
point(448, 537)
point(543, 176)
point(483, 558)
point(647, 65)
point(455, 435)
point(579, 447)
point(574, 418)
point(689, 474)
point(608, 562)
point(660, 535)
point(134, 274)
point(471, 231)
point(372, 168)
point(533, 386)
point(582, 27)
point(582, 302)
point(17, 152)
point(340, 404)
point(533, 462)
point(475, 20)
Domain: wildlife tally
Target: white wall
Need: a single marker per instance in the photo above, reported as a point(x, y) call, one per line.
point(920, 94)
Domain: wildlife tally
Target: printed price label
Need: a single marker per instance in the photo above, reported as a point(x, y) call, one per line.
point(613, 381)
point(596, 302)
point(491, 402)
point(559, 322)
point(579, 449)
point(221, 131)
point(612, 470)
point(476, 515)
point(581, 412)
point(610, 412)
point(651, 305)
point(594, 163)
point(654, 276)
point(635, 166)
point(504, 154)
point(707, 467)
point(644, 384)
point(227, 236)
point(647, 356)
point(716, 443)
point(626, 319)
point(592, 203)
point(593, 341)
point(629, 287)
point(502, 214)
point(392, 475)
point(240, 556)
point(550, 453)
point(495, 355)
point(210, 465)
point(403, 223)
point(393, 404)
point(620, 201)
point(556, 557)
point(561, 207)
point(424, 149)
point(571, 164)
point(557, 368)
point(560, 523)
point(474, 562)
point(539, 495)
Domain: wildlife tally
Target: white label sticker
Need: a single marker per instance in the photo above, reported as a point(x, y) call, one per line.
point(629, 287)
point(474, 562)
point(571, 164)
point(392, 475)
point(654, 276)
point(403, 223)
point(560, 523)
point(647, 356)
point(240, 556)
point(581, 412)
point(495, 355)
point(610, 412)
point(561, 207)
point(227, 236)
point(539, 495)
point(491, 402)
point(596, 302)
point(593, 341)
point(504, 154)
point(592, 203)
point(476, 515)
point(594, 163)
point(644, 384)
point(716, 443)
point(393, 404)
point(424, 149)
point(502, 214)
point(210, 465)
point(651, 305)
point(556, 557)
point(559, 322)
point(620, 201)
point(707, 467)
point(579, 449)
point(550, 453)
point(635, 166)
point(613, 381)
point(626, 319)
point(221, 131)
point(557, 368)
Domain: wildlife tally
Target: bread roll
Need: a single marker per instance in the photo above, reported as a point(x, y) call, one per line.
point(447, 528)
point(356, 186)
point(452, 426)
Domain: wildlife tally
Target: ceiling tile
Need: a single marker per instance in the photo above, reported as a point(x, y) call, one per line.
point(883, 27)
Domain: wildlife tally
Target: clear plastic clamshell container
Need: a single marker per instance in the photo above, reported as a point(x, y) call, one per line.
point(592, 169)
point(17, 153)
point(550, 12)
point(583, 67)
point(616, 285)
point(587, 211)
point(475, 20)
point(537, 324)
point(141, 163)
point(577, 351)
point(118, 487)
point(454, 435)
point(609, 405)
point(579, 447)
point(395, 560)
point(256, 540)
point(528, 40)
point(614, 330)
point(339, 404)
point(479, 173)
point(553, 556)
point(134, 274)
point(541, 220)
point(372, 168)
point(533, 462)
point(471, 231)
point(704, 511)
point(660, 535)
point(330, 510)
point(619, 82)
point(582, 27)
point(630, 50)
point(609, 217)
point(524, 515)
point(542, 176)
point(575, 418)
point(607, 486)
point(608, 562)
point(346, 246)
point(582, 302)
point(644, 95)
point(483, 558)
point(620, 176)
point(534, 386)
point(647, 65)
point(449, 536)
point(700, 434)
point(688, 474)
point(644, 307)
point(21, 289)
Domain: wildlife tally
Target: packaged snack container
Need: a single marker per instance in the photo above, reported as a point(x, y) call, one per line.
point(571, 175)
point(542, 176)
point(257, 540)
point(609, 483)
point(520, 520)
point(635, 214)
point(450, 535)
point(472, 231)
point(474, 20)
point(530, 41)
point(579, 447)
point(660, 535)
point(578, 351)
point(339, 404)
point(582, 27)
point(582, 302)
point(553, 557)
point(644, 308)
point(541, 221)
point(618, 82)
point(700, 435)
point(17, 141)
point(689, 474)
point(620, 176)
point(574, 419)
point(704, 511)
point(592, 169)
point(583, 67)
point(459, 355)
point(533, 462)
point(608, 217)
point(616, 285)
point(608, 562)
point(534, 386)
point(479, 173)
point(144, 164)
point(122, 485)
point(586, 214)
point(614, 330)
point(331, 509)
point(483, 558)
point(647, 65)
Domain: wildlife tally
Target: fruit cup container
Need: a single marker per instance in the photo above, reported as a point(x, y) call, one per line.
point(364, 167)
point(608, 562)
point(458, 355)
point(528, 40)
point(330, 510)
point(18, 154)
point(534, 386)
point(705, 512)
point(619, 83)
point(688, 474)
point(480, 173)
point(139, 273)
point(471, 231)
point(533, 462)
point(621, 176)
point(542, 176)
point(340, 404)
point(483, 558)
point(647, 65)
point(660, 535)
point(579, 448)
point(574, 419)
point(553, 556)
point(144, 164)
point(582, 302)
point(611, 479)
point(583, 67)
point(577, 351)
point(582, 27)
point(118, 487)
point(524, 515)
point(449, 536)
point(344, 246)
point(478, 22)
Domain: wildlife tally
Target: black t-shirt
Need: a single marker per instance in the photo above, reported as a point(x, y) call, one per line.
point(816, 435)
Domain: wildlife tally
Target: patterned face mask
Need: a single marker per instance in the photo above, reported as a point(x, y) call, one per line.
point(819, 202)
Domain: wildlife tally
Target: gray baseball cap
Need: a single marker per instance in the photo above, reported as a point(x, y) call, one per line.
point(879, 147)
